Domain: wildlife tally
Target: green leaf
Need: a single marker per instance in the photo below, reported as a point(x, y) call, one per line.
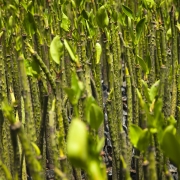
point(29, 24)
point(11, 22)
point(171, 146)
point(100, 144)
point(128, 11)
point(91, 29)
point(153, 91)
point(65, 23)
point(135, 133)
point(142, 64)
point(85, 14)
point(30, 7)
point(56, 49)
point(74, 93)
point(18, 45)
point(157, 110)
point(96, 116)
point(71, 53)
point(77, 143)
point(139, 29)
point(102, 17)
point(98, 52)
point(144, 140)
point(32, 68)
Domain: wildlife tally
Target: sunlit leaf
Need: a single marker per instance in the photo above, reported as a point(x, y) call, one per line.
point(135, 133)
point(75, 91)
point(65, 23)
point(144, 140)
point(102, 17)
point(77, 143)
point(171, 146)
point(98, 52)
point(56, 49)
point(153, 91)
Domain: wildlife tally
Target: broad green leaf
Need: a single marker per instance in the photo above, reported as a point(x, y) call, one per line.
point(77, 143)
point(65, 23)
point(153, 91)
point(56, 49)
point(102, 17)
point(93, 113)
point(100, 144)
point(32, 68)
point(29, 24)
point(142, 64)
point(71, 95)
point(139, 29)
point(88, 102)
point(96, 116)
point(115, 16)
point(98, 52)
point(70, 51)
point(128, 11)
point(74, 93)
point(135, 133)
point(171, 146)
point(144, 140)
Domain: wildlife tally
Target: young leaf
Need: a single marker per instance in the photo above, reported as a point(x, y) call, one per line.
point(144, 140)
point(56, 49)
point(65, 23)
point(135, 133)
point(71, 53)
point(139, 29)
point(96, 116)
point(29, 24)
point(98, 52)
point(90, 28)
point(171, 146)
point(142, 64)
point(74, 93)
point(153, 91)
point(128, 11)
point(102, 17)
point(77, 143)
